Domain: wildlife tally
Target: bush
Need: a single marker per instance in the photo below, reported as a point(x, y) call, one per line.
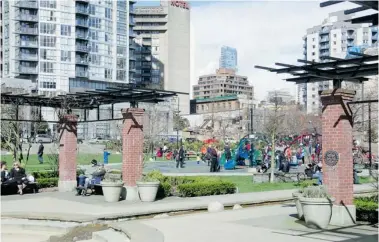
point(366, 209)
point(164, 190)
point(315, 192)
point(49, 174)
point(47, 182)
point(206, 188)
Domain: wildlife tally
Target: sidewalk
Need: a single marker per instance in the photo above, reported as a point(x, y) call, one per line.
point(68, 207)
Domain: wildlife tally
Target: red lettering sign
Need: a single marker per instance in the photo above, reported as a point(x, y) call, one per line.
point(180, 4)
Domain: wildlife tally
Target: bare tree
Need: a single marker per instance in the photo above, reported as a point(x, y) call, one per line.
point(273, 126)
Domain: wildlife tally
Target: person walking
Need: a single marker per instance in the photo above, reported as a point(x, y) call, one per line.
point(40, 153)
point(180, 157)
point(106, 154)
point(214, 160)
point(228, 153)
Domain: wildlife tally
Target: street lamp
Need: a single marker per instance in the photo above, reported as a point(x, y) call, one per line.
point(177, 117)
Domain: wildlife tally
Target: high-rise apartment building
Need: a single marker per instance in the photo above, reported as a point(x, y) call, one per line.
point(67, 45)
point(224, 83)
point(163, 48)
point(333, 38)
point(228, 58)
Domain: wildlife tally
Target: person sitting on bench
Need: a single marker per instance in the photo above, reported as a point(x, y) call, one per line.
point(4, 172)
point(92, 176)
point(18, 175)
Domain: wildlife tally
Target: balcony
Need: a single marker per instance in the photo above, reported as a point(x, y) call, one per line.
point(324, 31)
point(28, 70)
point(324, 47)
point(31, 31)
point(82, 1)
point(132, 34)
point(81, 60)
point(374, 29)
point(350, 36)
point(148, 74)
point(324, 39)
point(375, 37)
point(82, 48)
point(132, 57)
point(350, 44)
point(27, 4)
point(27, 17)
point(82, 23)
point(147, 43)
point(81, 73)
point(132, 69)
point(29, 43)
point(28, 57)
point(82, 10)
point(82, 35)
point(146, 51)
point(324, 54)
point(152, 27)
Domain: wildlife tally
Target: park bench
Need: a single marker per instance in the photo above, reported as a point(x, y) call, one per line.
point(295, 174)
point(11, 188)
point(190, 155)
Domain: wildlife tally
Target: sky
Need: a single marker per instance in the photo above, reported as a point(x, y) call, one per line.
point(263, 32)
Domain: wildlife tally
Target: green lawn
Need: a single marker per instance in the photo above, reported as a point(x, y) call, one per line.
point(245, 184)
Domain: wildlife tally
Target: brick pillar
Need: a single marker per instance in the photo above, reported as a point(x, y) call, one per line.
point(67, 153)
point(132, 150)
point(337, 136)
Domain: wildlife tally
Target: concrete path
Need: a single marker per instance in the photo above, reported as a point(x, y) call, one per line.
point(258, 224)
point(68, 207)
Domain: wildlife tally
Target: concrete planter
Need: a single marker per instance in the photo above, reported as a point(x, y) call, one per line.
point(148, 191)
point(111, 191)
point(317, 211)
point(299, 208)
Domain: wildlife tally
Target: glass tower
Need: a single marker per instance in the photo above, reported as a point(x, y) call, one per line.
point(228, 58)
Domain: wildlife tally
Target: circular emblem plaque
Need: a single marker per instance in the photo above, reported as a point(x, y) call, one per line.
point(331, 158)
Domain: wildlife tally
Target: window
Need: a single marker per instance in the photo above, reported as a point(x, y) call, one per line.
point(92, 9)
point(48, 85)
point(47, 28)
point(48, 41)
point(365, 41)
point(155, 80)
point(47, 54)
point(48, 4)
point(95, 22)
point(313, 46)
point(65, 55)
point(343, 48)
point(94, 35)
point(313, 89)
point(95, 59)
point(313, 39)
point(313, 96)
point(108, 13)
point(120, 75)
point(334, 35)
point(47, 67)
point(108, 73)
point(365, 33)
point(65, 30)
point(313, 53)
point(334, 42)
point(314, 103)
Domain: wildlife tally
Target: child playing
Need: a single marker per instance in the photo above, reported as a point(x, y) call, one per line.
point(198, 158)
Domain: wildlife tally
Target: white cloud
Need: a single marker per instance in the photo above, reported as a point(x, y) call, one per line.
point(264, 32)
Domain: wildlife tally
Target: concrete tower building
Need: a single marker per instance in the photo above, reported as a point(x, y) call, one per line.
point(332, 38)
point(163, 48)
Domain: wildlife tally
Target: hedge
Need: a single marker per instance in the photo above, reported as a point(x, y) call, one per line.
point(366, 209)
point(206, 188)
point(49, 174)
point(47, 182)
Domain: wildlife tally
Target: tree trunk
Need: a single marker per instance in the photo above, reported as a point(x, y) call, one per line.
point(272, 178)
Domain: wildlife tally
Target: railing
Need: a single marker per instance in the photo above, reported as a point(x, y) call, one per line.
point(81, 60)
point(27, 4)
point(81, 73)
point(82, 35)
point(82, 10)
point(374, 29)
point(325, 39)
point(323, 47)
point(28, 57)
point(83, 23)
point(350, 36)
point(26, 69)
point(375, 37)
point(325, 31)
point(323, 54)
point(83, 48)
point(28, 43)
point(29, 30)
point(27, 17)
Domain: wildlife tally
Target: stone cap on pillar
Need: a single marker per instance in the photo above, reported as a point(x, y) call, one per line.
point(134, 111)
point(335, 96)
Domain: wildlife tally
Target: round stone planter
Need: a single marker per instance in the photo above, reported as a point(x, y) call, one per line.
point(147, 191)
point(296, 196)
point(111, 191)
point(317, 211)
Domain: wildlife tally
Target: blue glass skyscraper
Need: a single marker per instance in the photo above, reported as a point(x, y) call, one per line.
point(228, 58)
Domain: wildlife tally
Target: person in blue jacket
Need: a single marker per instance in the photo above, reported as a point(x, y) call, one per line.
point(106, 154)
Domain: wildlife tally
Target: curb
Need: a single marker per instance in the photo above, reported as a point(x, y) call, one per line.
point(138, 232)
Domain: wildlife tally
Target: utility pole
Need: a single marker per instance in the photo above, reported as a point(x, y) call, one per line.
point(177, 124)
point(252, 119)
point(369, 137)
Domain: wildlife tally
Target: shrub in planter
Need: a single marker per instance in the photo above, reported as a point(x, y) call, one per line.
point(112, 186)
point(366, 209)
point(206, 188)
point(148, 188)
point(47, 182)
point(298, 194)
point(317, 207)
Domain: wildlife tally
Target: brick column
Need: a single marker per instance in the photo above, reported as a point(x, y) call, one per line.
point(132, 150)
point(337, 136)
point(67, 152)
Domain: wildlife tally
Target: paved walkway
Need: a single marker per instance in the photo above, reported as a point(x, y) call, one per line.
point(258, 224)
point(68, 207)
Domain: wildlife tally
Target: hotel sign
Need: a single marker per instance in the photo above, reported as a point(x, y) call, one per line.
point(180, 4)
